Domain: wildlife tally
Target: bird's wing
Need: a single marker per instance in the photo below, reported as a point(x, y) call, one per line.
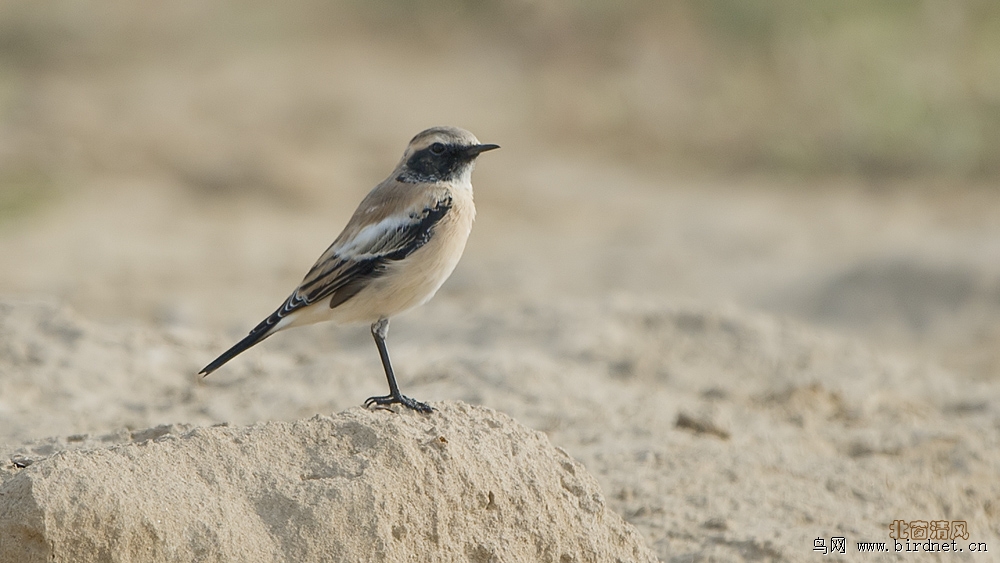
point(389, 225)
point(377, 235)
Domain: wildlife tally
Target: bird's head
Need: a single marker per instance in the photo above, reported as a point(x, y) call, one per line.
point(440, 154)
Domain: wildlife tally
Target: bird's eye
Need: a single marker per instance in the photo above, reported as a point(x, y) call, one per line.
point(437, 148)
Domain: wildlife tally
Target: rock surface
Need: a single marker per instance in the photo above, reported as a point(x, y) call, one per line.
point(462, 484)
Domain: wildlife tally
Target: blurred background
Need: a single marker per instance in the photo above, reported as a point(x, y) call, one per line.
point(184, 163)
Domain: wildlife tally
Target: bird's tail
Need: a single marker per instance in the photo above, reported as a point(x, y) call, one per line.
point(259, 333)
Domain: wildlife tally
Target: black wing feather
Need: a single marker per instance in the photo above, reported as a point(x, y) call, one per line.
point(351, 277)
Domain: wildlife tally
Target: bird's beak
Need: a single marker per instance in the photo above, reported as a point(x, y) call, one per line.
point(475, 150)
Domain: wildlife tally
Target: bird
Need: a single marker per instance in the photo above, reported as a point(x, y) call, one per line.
point(402, 243)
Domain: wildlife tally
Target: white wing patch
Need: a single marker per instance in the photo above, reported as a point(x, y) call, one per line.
point(373, 240)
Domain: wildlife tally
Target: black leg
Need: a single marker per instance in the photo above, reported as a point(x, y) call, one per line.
point(379, 330)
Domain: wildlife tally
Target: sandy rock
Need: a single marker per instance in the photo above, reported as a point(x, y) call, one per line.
point(463, 484)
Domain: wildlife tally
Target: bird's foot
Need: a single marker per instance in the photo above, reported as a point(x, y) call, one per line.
point(407, 402)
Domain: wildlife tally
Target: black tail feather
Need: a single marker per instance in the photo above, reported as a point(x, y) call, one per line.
point(259, 333)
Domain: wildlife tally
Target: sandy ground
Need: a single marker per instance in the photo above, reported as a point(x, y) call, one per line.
point(744, 364)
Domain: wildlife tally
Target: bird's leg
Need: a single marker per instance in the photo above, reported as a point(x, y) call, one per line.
point(379, 330)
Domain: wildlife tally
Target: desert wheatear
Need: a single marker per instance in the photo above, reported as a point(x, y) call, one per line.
point(400, 245)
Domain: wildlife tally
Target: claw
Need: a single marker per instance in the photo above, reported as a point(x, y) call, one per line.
point(386, 400)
